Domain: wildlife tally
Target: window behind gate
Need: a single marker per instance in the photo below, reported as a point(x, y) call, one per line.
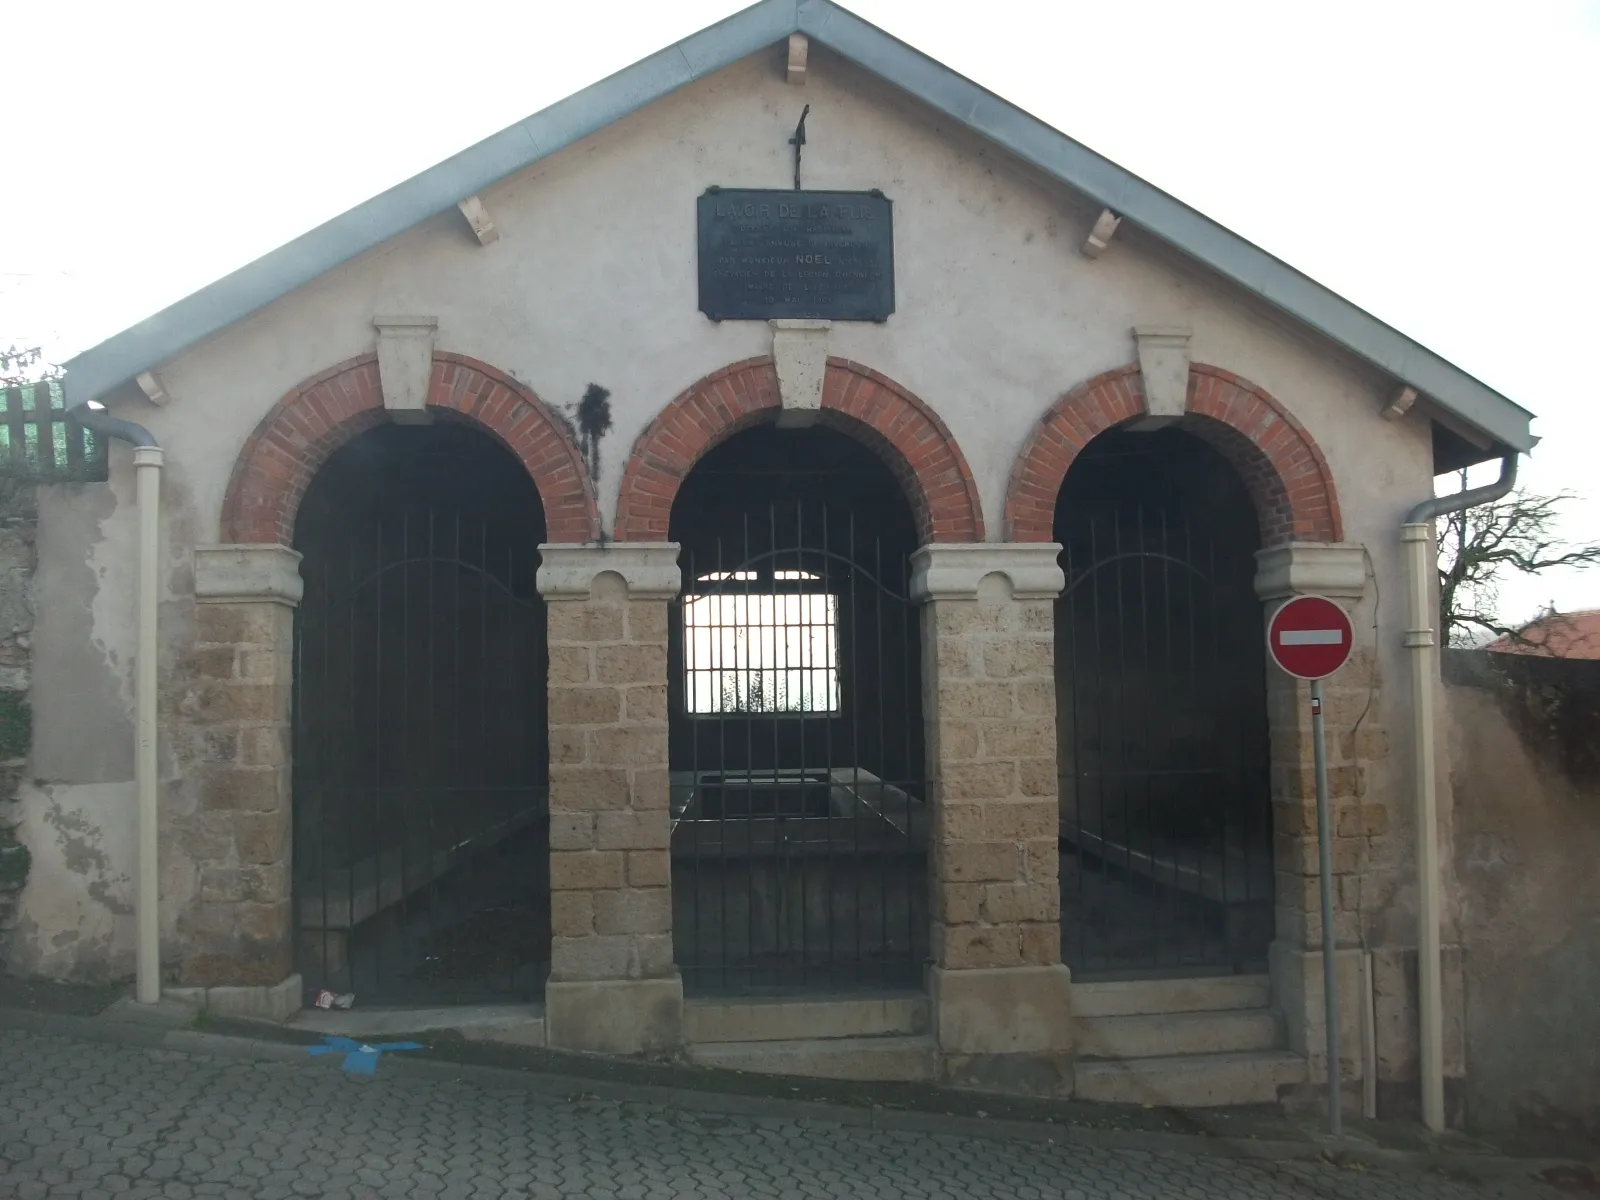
point(798, 821)
point(762, 651)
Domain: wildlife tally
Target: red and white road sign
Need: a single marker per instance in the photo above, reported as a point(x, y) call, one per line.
point(1310, 637)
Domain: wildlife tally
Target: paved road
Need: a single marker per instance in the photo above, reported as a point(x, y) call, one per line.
point(96, 1120)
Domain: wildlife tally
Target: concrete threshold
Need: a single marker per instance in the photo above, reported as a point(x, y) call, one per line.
point(516, 1024)
point(582, 1079)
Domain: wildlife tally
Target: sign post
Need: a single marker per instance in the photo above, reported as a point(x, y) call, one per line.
point(1311, 637)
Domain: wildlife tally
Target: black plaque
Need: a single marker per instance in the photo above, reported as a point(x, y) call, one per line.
point(772, 254)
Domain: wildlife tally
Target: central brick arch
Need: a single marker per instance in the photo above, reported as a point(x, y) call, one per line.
point(1284, 470)
point(901, 429)
point(321, 414)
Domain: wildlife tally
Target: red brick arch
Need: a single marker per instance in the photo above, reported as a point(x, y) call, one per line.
point(318, 416)
point(1285, 472)
point(900, 428)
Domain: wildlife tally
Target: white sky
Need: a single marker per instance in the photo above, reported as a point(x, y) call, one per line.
point(1436, 163)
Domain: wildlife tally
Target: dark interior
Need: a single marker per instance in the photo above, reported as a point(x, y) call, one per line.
point(1161, 710)
point(798, 836)
point(420, 782)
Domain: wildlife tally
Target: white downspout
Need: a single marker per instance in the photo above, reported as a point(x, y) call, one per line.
point(1417, 542)
point(147, 460)
point(147, 478)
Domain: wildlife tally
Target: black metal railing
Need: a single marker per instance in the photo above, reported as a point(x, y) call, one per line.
point(421, 765)
point(1166, 841)
point(799, 824)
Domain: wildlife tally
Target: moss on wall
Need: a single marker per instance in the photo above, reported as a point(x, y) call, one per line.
point(14, 863)
point(16, 726)
point(18, 521)
point(1554, 703)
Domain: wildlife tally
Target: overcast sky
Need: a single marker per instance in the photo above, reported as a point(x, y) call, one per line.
point(1435, 163)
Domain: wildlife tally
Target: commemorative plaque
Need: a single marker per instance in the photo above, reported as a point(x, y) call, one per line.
point(775, 254)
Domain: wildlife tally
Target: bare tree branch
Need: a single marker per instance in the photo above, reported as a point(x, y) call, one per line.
point(1477, 546)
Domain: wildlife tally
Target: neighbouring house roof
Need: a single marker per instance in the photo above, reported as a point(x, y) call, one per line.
point(1482, 414)
point(1555, 635)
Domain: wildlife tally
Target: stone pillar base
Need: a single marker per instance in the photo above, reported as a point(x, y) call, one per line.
point(274, 1002)
point(615, 1016)
point(1005, 1028)
point(1297, 989)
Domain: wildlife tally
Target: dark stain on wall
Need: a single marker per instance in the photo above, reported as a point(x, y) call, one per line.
point(594, 422)
point(1553, 702)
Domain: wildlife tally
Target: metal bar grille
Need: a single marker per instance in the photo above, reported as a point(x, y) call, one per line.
point(1166, 853)
point(421, 813)
point(798, 801)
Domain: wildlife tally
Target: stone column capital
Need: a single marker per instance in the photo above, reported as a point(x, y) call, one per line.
point(953, 570)
point(1335, 570)
point(649, 570)
point(248, 573)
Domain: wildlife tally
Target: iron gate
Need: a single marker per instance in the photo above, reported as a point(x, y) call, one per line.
point(798, 822)
point(1166, 841)
point(420, 762)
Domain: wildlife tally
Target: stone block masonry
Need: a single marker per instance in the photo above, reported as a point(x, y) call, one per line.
point(236, 930)
point(1363, 820)
point(990, 704)
point(1001, 1002)
point(1365, 817)
point(613, 983)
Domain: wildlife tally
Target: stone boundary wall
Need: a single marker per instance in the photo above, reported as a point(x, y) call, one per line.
point(1524, 835)
point(18, 525)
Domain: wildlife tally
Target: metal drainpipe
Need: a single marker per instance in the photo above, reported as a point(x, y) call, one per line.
point(1417, 540)
point(147, 459)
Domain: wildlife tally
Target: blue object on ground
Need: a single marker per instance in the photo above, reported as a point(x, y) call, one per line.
point(360, 1058)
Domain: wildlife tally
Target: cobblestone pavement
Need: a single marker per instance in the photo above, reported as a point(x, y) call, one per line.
point(99, 1120)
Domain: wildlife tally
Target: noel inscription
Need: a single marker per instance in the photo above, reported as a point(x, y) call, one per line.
point(775, 254)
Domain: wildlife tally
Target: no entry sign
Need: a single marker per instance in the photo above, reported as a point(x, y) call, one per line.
point(1310, 637)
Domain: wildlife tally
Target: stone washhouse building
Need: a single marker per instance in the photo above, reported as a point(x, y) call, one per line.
point(810, 630)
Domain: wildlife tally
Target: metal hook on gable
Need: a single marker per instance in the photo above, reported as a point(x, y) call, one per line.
point(797, 141)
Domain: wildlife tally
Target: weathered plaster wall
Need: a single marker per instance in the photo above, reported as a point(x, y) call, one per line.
point(1525, 736)
point(18, 522)
point(593, 281)
point(76, 810)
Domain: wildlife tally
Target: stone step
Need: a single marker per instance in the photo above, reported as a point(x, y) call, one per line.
point(1158, 1035)
point(1134, 997)
point(1191, 1080)
point(868, 1059)
point(516, 1024)
point(813, 1017)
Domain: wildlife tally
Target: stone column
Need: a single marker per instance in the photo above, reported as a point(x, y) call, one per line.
point(237, 931)
point(1338, 572)
point(1001, 996)
point(614, 987)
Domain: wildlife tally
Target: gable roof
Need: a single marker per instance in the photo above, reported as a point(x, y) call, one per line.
point(1499, 422)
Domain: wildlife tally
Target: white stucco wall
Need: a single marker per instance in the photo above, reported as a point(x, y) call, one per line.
point(593, 280)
